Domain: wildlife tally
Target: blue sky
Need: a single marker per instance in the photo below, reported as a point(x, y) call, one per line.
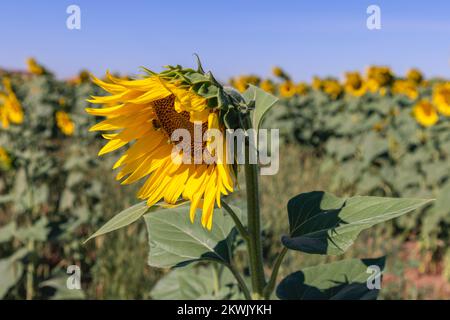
point(232, 37)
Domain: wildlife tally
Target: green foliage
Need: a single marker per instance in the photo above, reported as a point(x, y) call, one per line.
point(321, 223)
point(378, 148)
point(342, 280)
point(54, 193)
point(122, 219)
point(175, 241)
point(206, 282)
point(262, 101)
point(11, 270)
point(57, 193)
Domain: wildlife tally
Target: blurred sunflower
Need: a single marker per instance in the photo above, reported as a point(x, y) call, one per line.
point(148, 111)
point(379, 78)
point(34, 67)
point(287, 89)
point(280, 73)
point(277, 71)
point(5, 160)
point(317, 83)
point(354, 84)
point(441, 98)
point(241, 83)
point(332, 88)
point(10, 108)
point(302, 88)
point(407, 88)
point(267, 85)
point(425, 113)
point(64, 123)
point(82, 77)
point(414, 75)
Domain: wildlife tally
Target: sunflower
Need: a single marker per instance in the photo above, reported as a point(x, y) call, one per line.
point(379, 79)
point(287, 89)
point(64, 123)
point(372, 85)
point(277, 71)
point(415, 76)
point(34, 67)
point(332, 88)
point(441, 98)
point(302, 88)
point(5, 160)
point(354, 84)
point(82, 77)
point(147, 112)
point(425, 113)
point(267, 85)
point(10, 108)
point(241, 83)
point(406, 87)
point(317, 83)
point(382, 75)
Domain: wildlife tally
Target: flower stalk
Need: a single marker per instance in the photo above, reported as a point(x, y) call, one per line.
point(253, 221)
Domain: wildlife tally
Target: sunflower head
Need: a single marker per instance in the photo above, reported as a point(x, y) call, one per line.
point(280, 73)
point(10, 107)
point(82, 77)
point(241, 83)
point(441, 98)
point(382, 75)
point(414, 75)
point(64, 123)
point(332, 88)
point(425, 113)
point(302, 88)
point(5, 160)
point(34, 67)
point(317, 83)
point(354, 84)
point(287, 89)
point(406, 87)
point(267, 85)
point(277, 71)
point(145, 114)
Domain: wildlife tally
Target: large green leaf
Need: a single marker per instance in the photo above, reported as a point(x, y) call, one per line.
point(321, 223)
point(342, 280)
point(175, 241)
point(122, 219)
point(202, 283)
point(263, 102)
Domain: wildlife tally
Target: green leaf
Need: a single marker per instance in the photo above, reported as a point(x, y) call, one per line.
point(7, 232)
point(175, 241)
point(11, 271)
point(263, 102)
point(321, 223)
point(60, 289)
point(38, 231)
point(122, 219)
point(205, 282)
point(342, 280)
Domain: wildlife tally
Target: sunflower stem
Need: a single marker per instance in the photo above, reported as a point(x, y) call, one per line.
point(253, 220)
point(273, 277)
point(239, 226)
point(240, 281)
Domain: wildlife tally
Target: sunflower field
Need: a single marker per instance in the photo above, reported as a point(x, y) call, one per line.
point(371, 133)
